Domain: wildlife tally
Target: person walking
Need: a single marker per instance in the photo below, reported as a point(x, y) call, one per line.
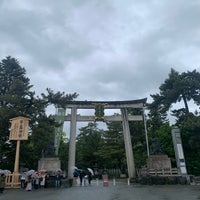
point(89, 177)
point(81, 176)
point(36, 181)
point(23, 180)
point(2, 182)
point(29, 184)
point(75, 175)
point(58, 180)
point(42, 180)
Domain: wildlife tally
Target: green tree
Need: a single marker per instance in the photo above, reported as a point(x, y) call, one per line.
point(16, 99)
point(88, 142)
point(59, 99)
point(165, 139)
point(15, 95)
point(63, 152)
point(177, 87)
point(190, 132)
point(156, 115)
point(112, 150)
point(137, 131)
point(139, 143)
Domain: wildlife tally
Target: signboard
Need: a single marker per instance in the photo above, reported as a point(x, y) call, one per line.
point(180, 151)
point(19, 128)
point(177, 142)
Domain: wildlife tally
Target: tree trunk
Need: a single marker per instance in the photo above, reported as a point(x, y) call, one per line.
point(186, 104)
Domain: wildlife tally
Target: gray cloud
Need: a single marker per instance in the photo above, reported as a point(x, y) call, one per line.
point(103, 50)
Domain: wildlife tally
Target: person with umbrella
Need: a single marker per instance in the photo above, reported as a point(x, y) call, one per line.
point(29, 183)
point(30, 172)
point(23, 180)
point(42, 178)
point(75, 175)
point(36, 180)
point(81, 176)
point(90, 174)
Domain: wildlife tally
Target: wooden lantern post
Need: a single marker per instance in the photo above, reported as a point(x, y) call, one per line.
point(18, 132)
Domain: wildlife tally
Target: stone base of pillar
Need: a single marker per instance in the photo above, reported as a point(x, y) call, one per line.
point(50, 164)
point(158, 162)
point(133, 180)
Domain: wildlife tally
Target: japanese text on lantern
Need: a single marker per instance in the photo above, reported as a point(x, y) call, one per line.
point(19, 128)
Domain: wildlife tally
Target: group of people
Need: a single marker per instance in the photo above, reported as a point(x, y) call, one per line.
point(35, 180)
point(83, 176)
point(38, 180)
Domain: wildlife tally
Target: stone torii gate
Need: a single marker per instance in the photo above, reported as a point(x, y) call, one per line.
point(124, 117)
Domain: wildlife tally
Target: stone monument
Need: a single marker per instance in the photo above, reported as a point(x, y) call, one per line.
point(158, 160)
point(49, 161)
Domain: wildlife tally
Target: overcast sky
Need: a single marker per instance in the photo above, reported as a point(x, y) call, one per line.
point(101, 49)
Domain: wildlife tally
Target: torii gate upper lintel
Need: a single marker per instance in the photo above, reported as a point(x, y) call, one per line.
point(124, 117)
point(139, 103)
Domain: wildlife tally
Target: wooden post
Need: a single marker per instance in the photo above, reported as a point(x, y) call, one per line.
point(16, 168)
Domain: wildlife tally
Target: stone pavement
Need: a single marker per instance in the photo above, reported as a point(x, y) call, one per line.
point(120, 191)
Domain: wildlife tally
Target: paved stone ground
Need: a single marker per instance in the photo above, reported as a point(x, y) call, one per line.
point(121, 191)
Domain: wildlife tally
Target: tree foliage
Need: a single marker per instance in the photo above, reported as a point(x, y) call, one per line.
point(63, 152)
point(112, 150)
point(88, 142)
point(59, 99)
point(184, 86)
point(15, 96)
point(165, 138)
point(18, 99)
point(178, 87)
point(190, 132)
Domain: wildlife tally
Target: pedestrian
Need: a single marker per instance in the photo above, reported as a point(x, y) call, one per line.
point(89, 177)
point(75, 175)
point(23, 180)
point(36, 181)
point(42, 180)
point(58, 180)
point(29, 184)
point(81, 176)
point(84, 179)
point(2, 182)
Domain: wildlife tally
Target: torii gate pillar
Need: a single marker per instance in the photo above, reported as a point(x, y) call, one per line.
point(128, 144)
point(72, 143)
